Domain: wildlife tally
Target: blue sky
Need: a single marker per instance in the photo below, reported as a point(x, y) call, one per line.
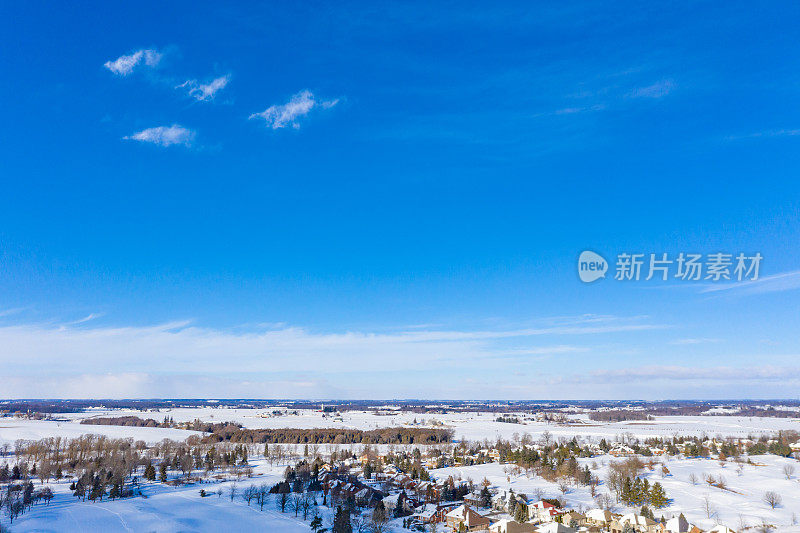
point(388, 200)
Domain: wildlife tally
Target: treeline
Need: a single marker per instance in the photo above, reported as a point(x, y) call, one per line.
point(135, 421)
point(618, 415)
point(129, 421)
point(331, 436)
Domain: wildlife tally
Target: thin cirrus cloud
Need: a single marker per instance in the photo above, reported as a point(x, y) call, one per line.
point(657, 90)
point(784, 281)
point(124, 65)
point(166, 348)
point(204, 91)
point(164, 135)
point(289, 114)
point(692, 341)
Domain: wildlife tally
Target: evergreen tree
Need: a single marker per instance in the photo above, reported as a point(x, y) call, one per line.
point(341, 522)
point(162, 470)
point(486, 497)
point(521, 513)
point(658, 497)
point(512, 502)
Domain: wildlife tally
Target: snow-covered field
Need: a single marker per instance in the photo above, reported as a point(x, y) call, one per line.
point(182, 509)
point(166, 509)
point(474, 426)
point(12, 429)
point(741, 503)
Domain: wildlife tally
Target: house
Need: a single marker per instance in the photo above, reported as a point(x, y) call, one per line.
point(543, 511)
point(721, 529)
point(679, 524)
point(474, 499)
point(434, 513)
point(471, 520)
point(555, 527)
point(500, 501)
point(621, 451)
point(639, 523)
point(598, 517)
point(510, 526)
point(573, 516)
point(614, 526)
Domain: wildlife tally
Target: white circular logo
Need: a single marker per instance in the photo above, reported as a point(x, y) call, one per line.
point(591, 266)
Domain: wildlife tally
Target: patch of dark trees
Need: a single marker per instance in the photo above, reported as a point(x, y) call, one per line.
point(618, 415)
point(135, 421)
point(331, 436)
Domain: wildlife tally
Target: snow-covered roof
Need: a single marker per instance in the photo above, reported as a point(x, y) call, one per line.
point(599, 515)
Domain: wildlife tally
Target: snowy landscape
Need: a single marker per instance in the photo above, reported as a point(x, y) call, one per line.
point(392, 267)
point(710, 490)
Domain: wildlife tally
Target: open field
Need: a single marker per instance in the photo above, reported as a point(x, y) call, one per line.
point(166, 508)
point(472, 426)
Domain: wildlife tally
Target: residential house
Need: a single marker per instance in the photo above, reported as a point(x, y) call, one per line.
point(679, 524)
point(598, 517)
point(510, 526)
point(474, 499)
point(543, 511)
point(471, 520)
point(573, 516)
point(555, 527)
point(721, 529)
point(639, 523)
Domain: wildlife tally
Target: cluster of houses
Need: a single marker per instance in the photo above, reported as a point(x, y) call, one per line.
point(547, 518)
point(422, 501)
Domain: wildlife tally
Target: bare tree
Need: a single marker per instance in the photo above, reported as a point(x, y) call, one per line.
point(379, 521)
point(708, 507)
point(788, 471)
point(249, 494)
point(283, 500)
point(693, 478)
point(296, 502)
point(772, 498)
point(360, 523)
point(765, 527)
point(604, 501)
point(232, 491)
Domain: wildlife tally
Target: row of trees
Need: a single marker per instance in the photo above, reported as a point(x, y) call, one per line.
point(399, 435)
point(19, 497)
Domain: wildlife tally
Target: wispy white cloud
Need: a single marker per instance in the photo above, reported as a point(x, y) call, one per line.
point(579, 109)
point(165, 135)
point(12, 311)
point(288, 114)
point(170, 347)
point(657, 90)
point(87, 318)
point(205, 91)
point(766, 134)
point(690, 341)
point(124, 65)
point(148, 385)
point(785, 281)
point(684, 373)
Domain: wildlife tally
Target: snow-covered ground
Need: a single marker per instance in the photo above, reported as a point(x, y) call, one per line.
point(12, 429)
point(166, 509)
point(182, 509)
point(474, 426)
point(742, 502)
